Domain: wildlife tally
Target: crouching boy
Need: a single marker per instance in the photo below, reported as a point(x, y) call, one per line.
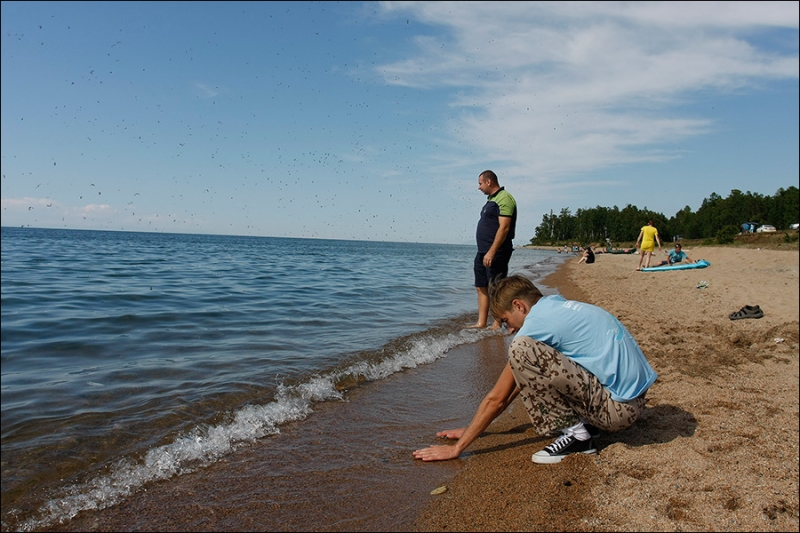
point(575, 365)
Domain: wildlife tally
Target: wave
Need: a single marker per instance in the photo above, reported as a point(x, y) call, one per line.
point(205, 444)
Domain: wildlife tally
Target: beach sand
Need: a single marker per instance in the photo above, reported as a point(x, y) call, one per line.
point(717, 446)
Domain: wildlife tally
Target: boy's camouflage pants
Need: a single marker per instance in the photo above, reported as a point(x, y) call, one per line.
point(557, 391)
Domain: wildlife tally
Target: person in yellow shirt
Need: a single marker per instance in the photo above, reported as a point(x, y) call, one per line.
point(647, 239)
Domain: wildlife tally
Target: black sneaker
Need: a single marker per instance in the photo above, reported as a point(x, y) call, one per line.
point(563, 446)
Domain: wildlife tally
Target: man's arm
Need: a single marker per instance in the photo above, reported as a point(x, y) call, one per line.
point(490, 408)
point(499, 239)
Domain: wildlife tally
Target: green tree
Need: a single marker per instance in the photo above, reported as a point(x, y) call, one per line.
point(785, 209)
point(713, 220)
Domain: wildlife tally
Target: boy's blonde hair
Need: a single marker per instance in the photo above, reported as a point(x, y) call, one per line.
point(504, 291)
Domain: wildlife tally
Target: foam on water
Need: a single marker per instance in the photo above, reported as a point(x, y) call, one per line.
point(205, 444)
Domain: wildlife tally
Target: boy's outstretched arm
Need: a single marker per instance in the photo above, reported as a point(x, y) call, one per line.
point(490, 408)
point(458, 432)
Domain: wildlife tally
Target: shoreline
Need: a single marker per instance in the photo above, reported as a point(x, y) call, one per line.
point(717, 446)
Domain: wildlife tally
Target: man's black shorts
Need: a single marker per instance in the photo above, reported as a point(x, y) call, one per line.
point(499, 267)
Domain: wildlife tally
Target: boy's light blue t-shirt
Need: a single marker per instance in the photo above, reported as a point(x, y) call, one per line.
point(596, 340)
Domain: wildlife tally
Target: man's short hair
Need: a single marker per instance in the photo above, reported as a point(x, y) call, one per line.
point(489, 175)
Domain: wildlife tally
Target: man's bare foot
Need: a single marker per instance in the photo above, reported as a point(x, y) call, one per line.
point(496, 325)
point(477, 326)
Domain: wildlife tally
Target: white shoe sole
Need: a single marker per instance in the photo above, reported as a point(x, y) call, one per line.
point(547, 459)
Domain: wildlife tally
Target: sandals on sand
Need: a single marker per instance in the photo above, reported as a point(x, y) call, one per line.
point(748, 311)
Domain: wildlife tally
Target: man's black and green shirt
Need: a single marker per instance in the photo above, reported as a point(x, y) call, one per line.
point(499, 204)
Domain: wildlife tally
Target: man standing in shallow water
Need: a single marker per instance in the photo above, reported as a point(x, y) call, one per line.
point(494, 235)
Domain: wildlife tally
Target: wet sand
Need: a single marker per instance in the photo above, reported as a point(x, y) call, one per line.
point(717, 446)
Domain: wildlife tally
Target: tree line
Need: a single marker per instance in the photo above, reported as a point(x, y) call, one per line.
point(718, 218)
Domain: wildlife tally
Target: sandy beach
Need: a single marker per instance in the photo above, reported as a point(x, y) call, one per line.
point(717, 447)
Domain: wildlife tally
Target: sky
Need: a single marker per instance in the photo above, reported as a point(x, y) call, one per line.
point(372, 121)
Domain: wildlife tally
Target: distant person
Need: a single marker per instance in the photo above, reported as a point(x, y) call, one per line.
point(588, 256)
point(495, 232)
point(648, 237)
point(578, 369)
point(676, 256)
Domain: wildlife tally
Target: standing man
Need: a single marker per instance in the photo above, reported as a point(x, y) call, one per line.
point(495, 231)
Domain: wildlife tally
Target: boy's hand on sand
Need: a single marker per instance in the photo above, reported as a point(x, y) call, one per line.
point(437, 453)
point(451, 433)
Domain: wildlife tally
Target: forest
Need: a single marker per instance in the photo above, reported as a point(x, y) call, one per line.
point(717, 218)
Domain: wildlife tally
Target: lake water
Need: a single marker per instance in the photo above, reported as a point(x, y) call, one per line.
point(129, 359)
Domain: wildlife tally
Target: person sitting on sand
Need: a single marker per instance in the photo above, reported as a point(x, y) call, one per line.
point(588, 256)
point(576, 366)
point(676, 256)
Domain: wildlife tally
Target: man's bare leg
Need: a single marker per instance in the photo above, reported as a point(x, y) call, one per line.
point(483, 307)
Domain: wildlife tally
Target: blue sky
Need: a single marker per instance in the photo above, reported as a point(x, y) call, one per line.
point(372, 121)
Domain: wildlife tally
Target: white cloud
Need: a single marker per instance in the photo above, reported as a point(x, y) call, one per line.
point(21, 204)
point(95, 208)
point(556, 89)
point(204, 91)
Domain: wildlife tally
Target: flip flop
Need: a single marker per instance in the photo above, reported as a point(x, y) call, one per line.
point(748, 311)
